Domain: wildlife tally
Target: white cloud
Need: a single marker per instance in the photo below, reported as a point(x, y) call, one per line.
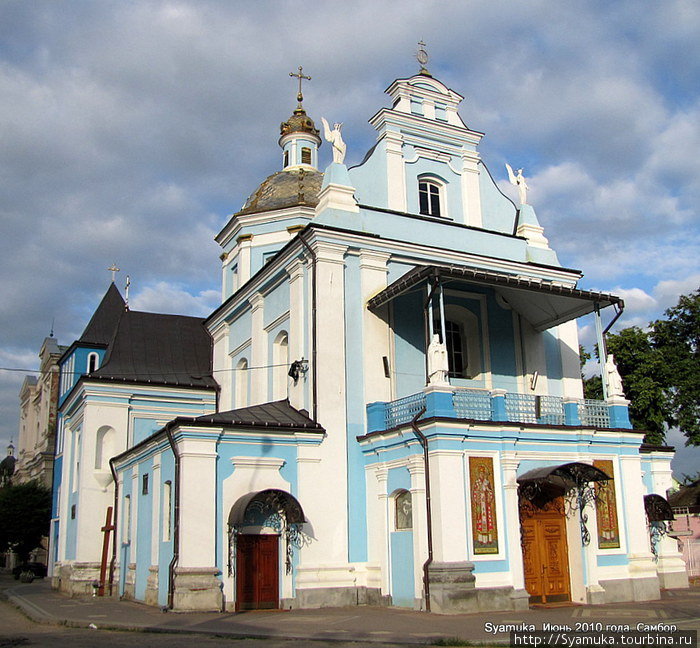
point(164, 297)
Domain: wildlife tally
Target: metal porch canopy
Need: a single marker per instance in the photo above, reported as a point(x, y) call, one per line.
point(541, 303)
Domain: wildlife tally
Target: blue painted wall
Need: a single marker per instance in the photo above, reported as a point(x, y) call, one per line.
point(144, 528)
point(402, 594)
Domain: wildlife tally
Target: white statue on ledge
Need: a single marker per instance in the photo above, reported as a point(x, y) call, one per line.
point(335, 138)
point(438, 364)
point(612, 378)
point(519, 181)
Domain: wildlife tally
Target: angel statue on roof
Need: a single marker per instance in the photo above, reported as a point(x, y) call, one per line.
point(519, 181)
point(335, 137)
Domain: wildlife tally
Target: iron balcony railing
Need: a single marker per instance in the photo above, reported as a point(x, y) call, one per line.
point(478, 404)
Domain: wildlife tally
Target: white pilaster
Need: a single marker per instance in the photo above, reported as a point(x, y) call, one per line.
point(471, 194)
point(416, 468)
point(296, 329)
point(396, 175)
point(376, 334)
point(448, 506)
point(197, 493)
point(511, 504)
point(258, 363)
point(570, 363)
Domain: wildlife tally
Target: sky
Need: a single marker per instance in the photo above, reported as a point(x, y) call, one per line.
point(131, 130)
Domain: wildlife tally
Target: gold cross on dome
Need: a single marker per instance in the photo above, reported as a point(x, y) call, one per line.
point(300, 75)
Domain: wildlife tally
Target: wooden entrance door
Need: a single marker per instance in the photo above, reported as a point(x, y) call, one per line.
point(257, 572)
point(545, 552)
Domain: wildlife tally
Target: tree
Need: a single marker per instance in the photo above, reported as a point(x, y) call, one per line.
point(677, 341)
point(660, 371)
point(25, 515)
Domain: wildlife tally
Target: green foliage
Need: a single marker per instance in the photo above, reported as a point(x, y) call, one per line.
point(677, 340)
point(660, 371)
point(25, 515)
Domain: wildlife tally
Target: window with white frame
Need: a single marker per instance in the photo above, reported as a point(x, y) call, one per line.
point(241, 384)
point(126, 529)
point(104, 446)
point(93, 362)
point(280, 361)
point(430, 197)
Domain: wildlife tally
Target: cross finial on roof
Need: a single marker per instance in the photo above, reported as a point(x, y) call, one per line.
point(422, 57)
point(300, 75)
point(126, 293)
point(113, 269)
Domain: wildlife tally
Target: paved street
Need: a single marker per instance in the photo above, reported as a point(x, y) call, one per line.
point(63, 621)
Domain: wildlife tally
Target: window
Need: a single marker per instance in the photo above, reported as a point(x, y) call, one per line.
point(93, 362)
point(456, 351)
point(429, 198)
point(305, 155)
point(280, 360)
point(462, 341)
point(403, 507)
point(144, 484)
point(72, 512)
point(241, 386)
point(167, 519)
point(286, 158)
point(104, 447)
point(126, 524)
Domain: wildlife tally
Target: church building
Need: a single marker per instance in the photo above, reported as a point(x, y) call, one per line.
point(385, 409)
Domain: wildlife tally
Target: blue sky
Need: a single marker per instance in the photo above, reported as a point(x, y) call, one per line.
point(132, 130)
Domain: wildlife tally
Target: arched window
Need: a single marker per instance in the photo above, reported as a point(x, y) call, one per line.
point(286, 158)
point(430, 198)
point(403, 511)
point(241, 384)
point(93, 362)
point(104, 447)
point(280, 360)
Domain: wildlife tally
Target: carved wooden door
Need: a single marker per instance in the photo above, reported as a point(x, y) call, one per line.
point(545, 553)
point(257, 572)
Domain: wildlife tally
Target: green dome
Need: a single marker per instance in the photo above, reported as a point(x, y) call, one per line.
point(287, 188)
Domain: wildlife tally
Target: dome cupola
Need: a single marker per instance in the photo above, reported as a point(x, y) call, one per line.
point(299, 137)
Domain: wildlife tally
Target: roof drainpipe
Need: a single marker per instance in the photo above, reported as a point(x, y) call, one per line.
point(314, 394)
point(115, 535)
point(422, 439)
point(176, 520)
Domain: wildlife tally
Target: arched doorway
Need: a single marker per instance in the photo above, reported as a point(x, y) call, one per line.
point(547, 497)
point(263, 527)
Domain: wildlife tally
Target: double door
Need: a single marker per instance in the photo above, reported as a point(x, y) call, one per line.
point(257, 572)
point(545, 553)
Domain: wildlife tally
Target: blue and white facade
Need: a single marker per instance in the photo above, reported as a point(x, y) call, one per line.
point(344, 278)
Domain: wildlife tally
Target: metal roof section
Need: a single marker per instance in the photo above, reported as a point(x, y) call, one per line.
point(160, 349)
point(101, 326)
point(544, 304)
point(276, 414)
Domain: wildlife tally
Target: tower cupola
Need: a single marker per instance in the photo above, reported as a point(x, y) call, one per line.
point(299, 137)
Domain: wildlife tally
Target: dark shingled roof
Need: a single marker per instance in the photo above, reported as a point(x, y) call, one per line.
point(688, 495)
point(276, 414)
point(160, 349)
point(285, 189)
point(100, 328)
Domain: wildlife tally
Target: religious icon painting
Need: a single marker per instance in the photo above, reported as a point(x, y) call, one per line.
point(483, 505)
point(606, 507)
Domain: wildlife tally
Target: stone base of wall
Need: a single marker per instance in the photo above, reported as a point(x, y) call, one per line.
point(631, 589)
point(319, 597)
point(152, 586)
point(76, 578)
point(197, 589)
point(453, 591)
point(130, 583)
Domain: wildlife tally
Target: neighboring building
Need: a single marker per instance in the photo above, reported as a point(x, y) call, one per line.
point(388, 332)
point(7, 466)
point(686, 525)
point(37, 418)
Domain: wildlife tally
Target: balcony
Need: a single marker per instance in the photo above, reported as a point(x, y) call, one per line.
point(498, 405)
